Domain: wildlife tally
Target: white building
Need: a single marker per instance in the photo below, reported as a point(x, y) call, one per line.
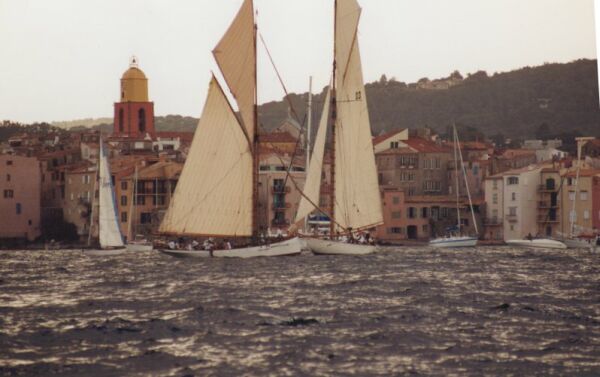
point(512, 199)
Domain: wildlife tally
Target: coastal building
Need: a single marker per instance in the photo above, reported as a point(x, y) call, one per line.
point(80, 191)
point(417, 166)
point(512, 198)
point(143, 199)
point(20, 198)
point(420, 218)
point(591, 149)
point(550, 205)
point(278, 194)
point(584, 211)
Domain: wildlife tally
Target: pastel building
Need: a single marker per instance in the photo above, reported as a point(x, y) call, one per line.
point(584, 212)
point(512, 199)
point(20, 197)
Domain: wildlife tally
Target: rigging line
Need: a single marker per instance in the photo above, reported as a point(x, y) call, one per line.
point(292, 108)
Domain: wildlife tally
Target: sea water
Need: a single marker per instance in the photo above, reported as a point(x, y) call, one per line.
point(417, 311)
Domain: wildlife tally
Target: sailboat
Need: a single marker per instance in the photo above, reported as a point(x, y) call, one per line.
point(217, 192)
point(135, 242)
point(458, 240)
point(109, 234)
point(575, 240)
point(355, 201)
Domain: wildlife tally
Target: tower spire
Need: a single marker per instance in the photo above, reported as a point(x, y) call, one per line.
point(133, 62)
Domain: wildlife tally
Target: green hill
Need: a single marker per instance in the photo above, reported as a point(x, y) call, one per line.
point(562, 96)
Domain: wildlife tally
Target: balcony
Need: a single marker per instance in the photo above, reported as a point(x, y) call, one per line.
point(278, 223)
point(512, 218)
point(547, 220)
point(492, 222)
point(547, 205)
point(280, 189)
point(546, 188)
point(281, 206)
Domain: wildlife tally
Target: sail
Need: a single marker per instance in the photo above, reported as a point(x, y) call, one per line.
point(236, 56)
point(110, 235)
point(214, 194)
point(357, 196)
point(312, 186)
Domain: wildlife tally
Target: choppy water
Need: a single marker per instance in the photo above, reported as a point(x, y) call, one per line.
point(413, 311)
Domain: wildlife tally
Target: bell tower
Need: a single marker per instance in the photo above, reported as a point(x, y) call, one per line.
point(134, 113)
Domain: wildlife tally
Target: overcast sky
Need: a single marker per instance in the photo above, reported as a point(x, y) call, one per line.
point(62, 59)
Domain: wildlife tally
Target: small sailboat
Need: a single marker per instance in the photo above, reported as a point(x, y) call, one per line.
point(135, 242)
point(455, 238)
point(109, 234)
point(217, 193)
point(355, 200)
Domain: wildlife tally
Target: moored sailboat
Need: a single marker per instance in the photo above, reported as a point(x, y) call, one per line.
point(355, 201)
point(457, 239)
point(217, 192)
point(109, 234)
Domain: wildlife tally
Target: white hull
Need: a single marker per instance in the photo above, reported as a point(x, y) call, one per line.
point(448, 242)
point(279, 249)
point(329, 247)
point(186, 253)
point(104, 252)
point(578, 243)
point(542, 243)
point(139, 247)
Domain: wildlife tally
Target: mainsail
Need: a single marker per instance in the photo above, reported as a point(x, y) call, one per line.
point(236, 56)
point(357, 196)
point(110, 235)
point(312, 185)
point(214, 194)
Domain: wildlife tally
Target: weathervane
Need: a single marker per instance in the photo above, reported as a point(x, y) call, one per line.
point(133, 62)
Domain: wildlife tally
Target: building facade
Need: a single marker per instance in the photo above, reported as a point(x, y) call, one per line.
point(20, 190)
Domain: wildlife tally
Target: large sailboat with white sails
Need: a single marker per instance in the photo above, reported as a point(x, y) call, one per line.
point(355, 201)
point(217, 193)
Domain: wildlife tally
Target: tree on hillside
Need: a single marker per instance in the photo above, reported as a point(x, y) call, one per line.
point(542, 132)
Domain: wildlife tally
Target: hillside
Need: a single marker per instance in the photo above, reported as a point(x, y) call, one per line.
point(517, 103)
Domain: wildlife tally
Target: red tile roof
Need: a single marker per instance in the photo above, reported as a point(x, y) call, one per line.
point(426, 146)
point(385, 136)
point(583, 173)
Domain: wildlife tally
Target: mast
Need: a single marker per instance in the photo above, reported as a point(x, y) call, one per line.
point(580, 142)
point(255, 144)
point(308, 130)
point(92, 213)
point(456, 177)
point(333, 121)
point(462, 163)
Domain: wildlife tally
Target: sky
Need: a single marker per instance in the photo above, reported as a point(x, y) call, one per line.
point(62, 59)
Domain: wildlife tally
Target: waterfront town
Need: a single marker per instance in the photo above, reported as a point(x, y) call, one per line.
point(48, 181)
